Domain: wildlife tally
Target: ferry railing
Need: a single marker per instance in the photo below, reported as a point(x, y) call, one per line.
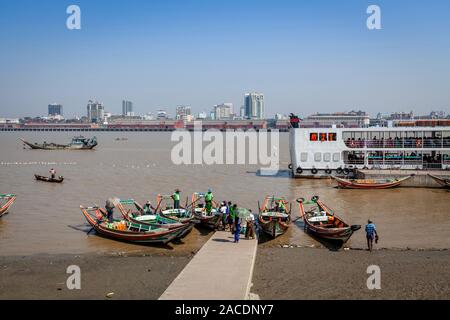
point(355, 162)
point(408, 143)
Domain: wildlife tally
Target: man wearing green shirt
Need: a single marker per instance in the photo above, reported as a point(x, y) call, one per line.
point(208, 201)
point(176, 199)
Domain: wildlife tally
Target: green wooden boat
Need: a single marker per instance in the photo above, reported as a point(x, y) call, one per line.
point(274, 216)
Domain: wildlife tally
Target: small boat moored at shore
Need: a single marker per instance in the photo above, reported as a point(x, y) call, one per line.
point(128, 231)
point(48, 179)
point(164, 209)
point(441, 181)
point(77, 143)
point(369, 183)
point(209, 219)
point(6, 201)
point(141, 217)
point(274, 216)
point(320, 221)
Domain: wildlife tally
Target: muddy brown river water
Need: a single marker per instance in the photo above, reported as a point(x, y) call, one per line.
point(46, 217)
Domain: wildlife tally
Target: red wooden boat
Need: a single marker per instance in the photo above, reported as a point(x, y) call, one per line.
point(6, 201)
point(441, 181)
point(323, 223)
point(128, 231)
point(369, 183)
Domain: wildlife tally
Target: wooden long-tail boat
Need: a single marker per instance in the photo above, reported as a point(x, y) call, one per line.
point(323, 223)
point(441, 181)
point(164, 209)
point(369, 183)
point(49, 179)
point(128, 231)
point(141, 217)
point(77, 143)
point(209, 219)
point(274, 216)
point(6, 201)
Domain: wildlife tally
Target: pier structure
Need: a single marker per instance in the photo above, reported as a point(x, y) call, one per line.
point(221, 270)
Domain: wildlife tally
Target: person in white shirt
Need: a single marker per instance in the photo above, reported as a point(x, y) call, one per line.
point(250, 231)
point(223, 214)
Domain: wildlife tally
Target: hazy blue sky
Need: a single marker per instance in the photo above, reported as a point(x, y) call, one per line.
point(305, 56)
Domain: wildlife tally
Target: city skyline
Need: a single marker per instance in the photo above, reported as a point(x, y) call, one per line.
point(304, 57)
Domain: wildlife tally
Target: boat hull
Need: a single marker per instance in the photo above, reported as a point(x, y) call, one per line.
point(368, 184)
point(47, 179)
point(55, 146)
point(273, 228)
point(441, 181)
point(332, 229)
point(158, 236)
point(6, 203)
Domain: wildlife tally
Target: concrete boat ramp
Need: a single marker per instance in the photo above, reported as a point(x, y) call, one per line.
point(221, 270)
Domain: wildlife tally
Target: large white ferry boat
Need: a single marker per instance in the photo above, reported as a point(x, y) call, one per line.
point(322, 152)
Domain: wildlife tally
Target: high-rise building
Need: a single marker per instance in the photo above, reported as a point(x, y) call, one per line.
point(223, 111)
point(254, 105)
point(127, 108)
point(95, 111)
point(55, 109)
point(182, 112)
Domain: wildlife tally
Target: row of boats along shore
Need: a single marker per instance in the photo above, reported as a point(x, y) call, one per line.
point(168, 221)
point(164, 223)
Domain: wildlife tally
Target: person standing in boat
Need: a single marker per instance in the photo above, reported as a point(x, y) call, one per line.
point(148, 207)
point(208, 201)
point(281, 206)
point(176, 199)
point(371, 234)
point(52, 173)
point(110, 210)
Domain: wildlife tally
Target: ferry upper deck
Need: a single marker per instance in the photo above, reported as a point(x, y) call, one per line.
point(327, 151)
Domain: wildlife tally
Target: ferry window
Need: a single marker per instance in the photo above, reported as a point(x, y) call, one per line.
point(313, 136)
point(346, 135)
point(327, 157)
point(323, 136)
point(336, 157)
point(304, 157)
point(318, 156)
point(332, 136)
point(446, 139)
